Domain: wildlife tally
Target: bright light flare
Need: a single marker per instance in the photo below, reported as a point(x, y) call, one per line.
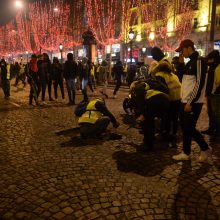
point(18, 4)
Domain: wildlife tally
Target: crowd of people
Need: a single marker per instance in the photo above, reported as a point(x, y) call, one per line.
point(170, 91)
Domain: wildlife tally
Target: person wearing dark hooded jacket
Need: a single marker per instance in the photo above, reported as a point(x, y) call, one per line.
point(213, 93)
point(118, 72)
point(57, 77)
point(70, 73)
point(5, 78)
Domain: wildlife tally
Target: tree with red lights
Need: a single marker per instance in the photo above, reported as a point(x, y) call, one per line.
point(161, 14)
point(49, 23)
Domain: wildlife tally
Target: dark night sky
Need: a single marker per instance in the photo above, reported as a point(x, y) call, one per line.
point(8, 11)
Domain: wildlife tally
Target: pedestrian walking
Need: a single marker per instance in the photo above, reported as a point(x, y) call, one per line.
point(33, 79)
point(118, 72)
point(103, 72)
point(192, 98)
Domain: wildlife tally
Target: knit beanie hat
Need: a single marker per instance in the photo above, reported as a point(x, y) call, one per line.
point(157, 53)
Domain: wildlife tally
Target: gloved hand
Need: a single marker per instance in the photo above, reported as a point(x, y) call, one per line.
point(116, 124)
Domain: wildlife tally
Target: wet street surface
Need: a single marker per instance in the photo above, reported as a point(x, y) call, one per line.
point(48, 172)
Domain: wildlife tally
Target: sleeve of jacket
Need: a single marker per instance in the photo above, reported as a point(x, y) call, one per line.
point(181, 69)
point(103, 109)
point(201, 70)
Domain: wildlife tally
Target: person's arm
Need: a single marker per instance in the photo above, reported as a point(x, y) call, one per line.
point(100, 106)
point(201, 69)
point(180, 67)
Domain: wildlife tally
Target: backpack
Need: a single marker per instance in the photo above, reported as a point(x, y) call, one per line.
point(80, 108)
point(157, 84)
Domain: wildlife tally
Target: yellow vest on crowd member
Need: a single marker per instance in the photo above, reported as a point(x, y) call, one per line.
point(92, 71)
point(173, 84)
point(8, 71)
point(22, 69)
point(97, 70)
point(125, 68)
point(149, 92)
point(91, 115)
point(216, 79)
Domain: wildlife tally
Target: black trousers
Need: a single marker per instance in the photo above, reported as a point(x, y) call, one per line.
point(188, 122)
point(117, 86)
point(60, 84)
point(156, 106)
point(93, 130)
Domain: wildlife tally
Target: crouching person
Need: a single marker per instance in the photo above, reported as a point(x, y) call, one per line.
point(95, 120)
point(150, 103)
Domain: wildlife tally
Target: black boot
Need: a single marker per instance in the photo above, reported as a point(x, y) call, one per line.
point(85, 96)
point(73, 97)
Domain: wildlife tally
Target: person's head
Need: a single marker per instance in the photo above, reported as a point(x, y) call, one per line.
point(186, 48)
point(33, 56)
point(119, 62)
point(213, 57)
point(157, 54)
point(70, 56)
point(55, 60)
point(104, 63)
point(84, 60)
point(45, 56)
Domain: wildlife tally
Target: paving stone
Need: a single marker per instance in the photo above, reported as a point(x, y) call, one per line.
point(50, 176)
point(67, 210)
point(59, 215)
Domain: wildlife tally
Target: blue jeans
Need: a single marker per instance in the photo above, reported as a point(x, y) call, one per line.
point(70, 84)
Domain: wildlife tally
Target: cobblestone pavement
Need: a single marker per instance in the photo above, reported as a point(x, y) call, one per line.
point(50, 176)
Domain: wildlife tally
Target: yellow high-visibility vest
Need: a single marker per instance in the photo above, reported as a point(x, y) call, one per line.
point(8, 71)
point(91, 115)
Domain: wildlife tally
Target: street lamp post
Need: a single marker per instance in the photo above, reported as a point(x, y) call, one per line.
point(131, 37)
point(61, 53)
point(27, 56)
point(143, 51)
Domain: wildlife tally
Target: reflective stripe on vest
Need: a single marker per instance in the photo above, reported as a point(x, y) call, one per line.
point(8, 71)
point(91, 115)
point(173, 84)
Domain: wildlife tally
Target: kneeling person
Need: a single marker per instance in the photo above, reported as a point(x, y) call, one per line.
point(96, 119)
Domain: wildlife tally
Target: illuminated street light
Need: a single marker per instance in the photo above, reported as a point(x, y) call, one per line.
point(61, 52)
point(131, 37)
point(56, 9)
point(18, 4)
point(27, 56)
point(144, 49)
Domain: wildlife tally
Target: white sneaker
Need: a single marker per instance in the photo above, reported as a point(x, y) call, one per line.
point(204, 155)
point(181, 156)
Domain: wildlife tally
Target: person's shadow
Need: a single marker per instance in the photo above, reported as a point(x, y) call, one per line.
point(77, 141)
point(144, 164)
point(192, 200)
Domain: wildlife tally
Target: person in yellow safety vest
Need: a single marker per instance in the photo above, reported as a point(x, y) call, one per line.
point(5, 77)
point(97, 75)
point(92, 75)
point(96, 119)
point(163, 71)
point(150, 103)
